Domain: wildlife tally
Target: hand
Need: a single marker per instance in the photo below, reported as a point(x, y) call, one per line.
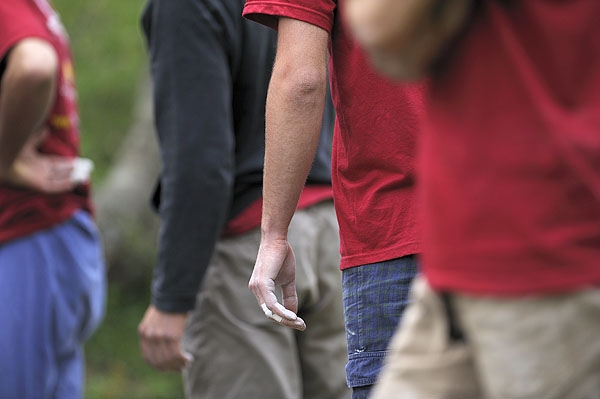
point(276, 266)
point(41, 172)
point(160, 340)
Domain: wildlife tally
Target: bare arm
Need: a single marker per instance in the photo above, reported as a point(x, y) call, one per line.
point(293, 120)
point(26, 94)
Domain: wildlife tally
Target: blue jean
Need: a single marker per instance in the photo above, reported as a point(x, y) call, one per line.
point(52, 291)
point(375, 296)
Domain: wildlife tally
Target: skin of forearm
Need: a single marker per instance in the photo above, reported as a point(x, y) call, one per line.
point(293, 120)
point(27, 91)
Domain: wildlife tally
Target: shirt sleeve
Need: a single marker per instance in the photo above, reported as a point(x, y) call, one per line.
point(316, 12)
point(193, 118)
point(18, 21)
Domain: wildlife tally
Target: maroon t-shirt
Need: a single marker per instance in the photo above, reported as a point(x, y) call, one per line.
point(250, 218)
point(511, 156)
point(373, 155)
point(23, 211)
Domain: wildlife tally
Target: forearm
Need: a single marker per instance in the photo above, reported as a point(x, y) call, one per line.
point(192, 215)
point(26, 95)
point(293, 120)
point(192, 106)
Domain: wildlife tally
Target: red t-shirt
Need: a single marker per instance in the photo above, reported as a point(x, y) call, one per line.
point(373, 155)
point(250, 217)
point(511, 156)
point(24, 211)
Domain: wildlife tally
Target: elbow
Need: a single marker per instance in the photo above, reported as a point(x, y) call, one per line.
point(35, 64)
point(305, 85)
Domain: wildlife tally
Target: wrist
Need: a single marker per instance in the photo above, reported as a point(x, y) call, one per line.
point(273, 234)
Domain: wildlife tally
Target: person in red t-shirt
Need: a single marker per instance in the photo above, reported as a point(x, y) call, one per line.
point(510, 303)
point(51, 264)
point(373, 176)
point(210, 74)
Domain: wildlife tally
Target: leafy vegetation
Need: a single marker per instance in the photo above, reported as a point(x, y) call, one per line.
point(109, 56)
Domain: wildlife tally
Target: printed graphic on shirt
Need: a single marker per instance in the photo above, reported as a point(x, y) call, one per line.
point(52, 20)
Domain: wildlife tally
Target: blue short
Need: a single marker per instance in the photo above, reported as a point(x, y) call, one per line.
point(52, 291)
point(375, 296)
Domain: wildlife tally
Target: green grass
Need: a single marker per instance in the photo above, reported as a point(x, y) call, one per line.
point(114, 366)
point(109, 57)
point(109, 54)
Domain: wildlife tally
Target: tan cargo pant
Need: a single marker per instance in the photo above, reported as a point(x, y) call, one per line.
point(536, 348)
point(241, 354)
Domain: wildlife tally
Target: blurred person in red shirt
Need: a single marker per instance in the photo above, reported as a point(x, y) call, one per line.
point(52, 273)
point(509, 306)
point(373, 176)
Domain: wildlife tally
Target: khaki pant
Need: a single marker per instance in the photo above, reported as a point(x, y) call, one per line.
point(241, 354)
point(536, 348)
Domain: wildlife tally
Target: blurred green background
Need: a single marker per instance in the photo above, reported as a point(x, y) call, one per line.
point(110, 58)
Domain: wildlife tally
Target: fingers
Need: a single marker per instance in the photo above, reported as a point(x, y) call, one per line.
point(256, 286)
point(275, 266)
point(59, 167)
point(163, 353)
point(160, 340)
point(44, 173)
point(270, 314)
point(261, 283)
point(266, 298)
point(283, 316)
point(56, 176)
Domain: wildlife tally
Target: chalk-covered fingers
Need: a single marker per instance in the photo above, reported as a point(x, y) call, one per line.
point(283, 316)
point(276, 267)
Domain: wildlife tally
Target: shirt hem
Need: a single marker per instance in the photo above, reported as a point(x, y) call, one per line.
point(382, 255)
point(268, 13)
point(495, 285)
